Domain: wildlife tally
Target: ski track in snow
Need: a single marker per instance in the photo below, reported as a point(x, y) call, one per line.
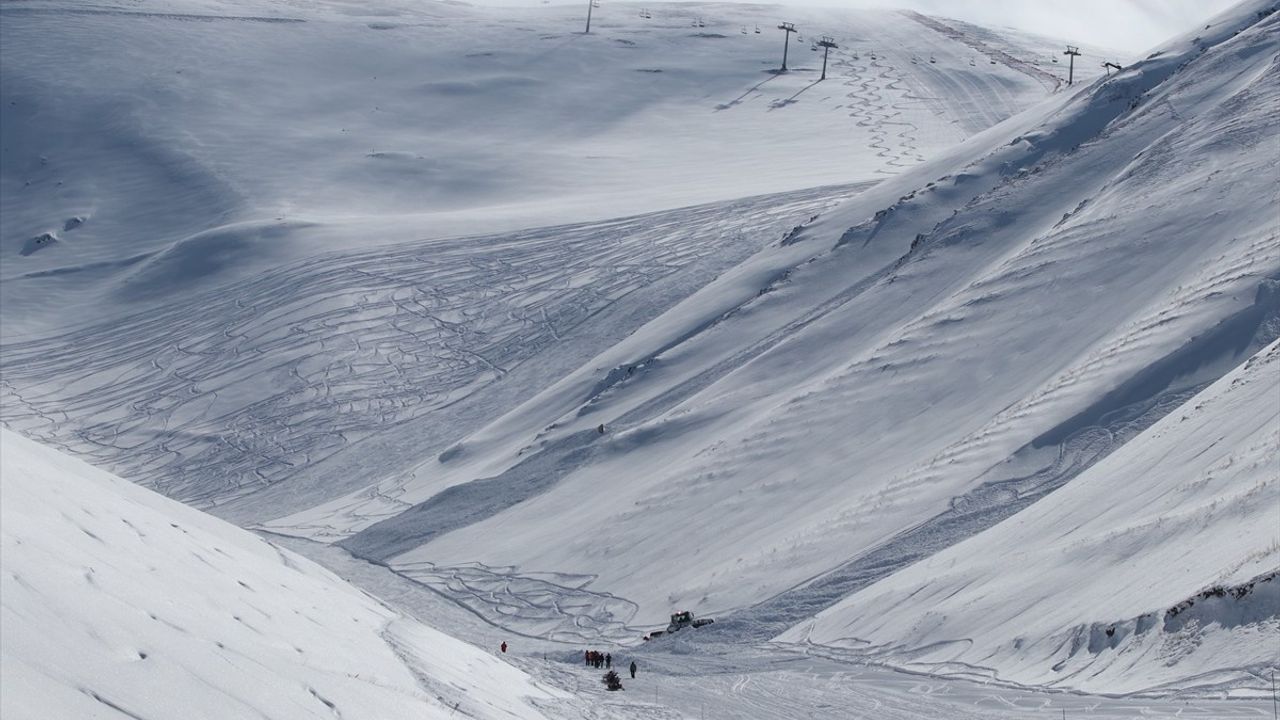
point(276, 374)
point(1122, 377)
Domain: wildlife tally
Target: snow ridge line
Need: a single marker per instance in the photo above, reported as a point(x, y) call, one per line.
point(1051, 82)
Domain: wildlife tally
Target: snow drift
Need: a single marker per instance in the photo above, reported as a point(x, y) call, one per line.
point(1157, 566)
point(117, 602)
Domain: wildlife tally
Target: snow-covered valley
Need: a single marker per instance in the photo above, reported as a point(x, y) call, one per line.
point(948, 389)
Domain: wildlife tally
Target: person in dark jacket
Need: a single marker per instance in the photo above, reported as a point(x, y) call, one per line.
point(633, 669)
point(504, 646)
point(586, 657)
point(608, 660)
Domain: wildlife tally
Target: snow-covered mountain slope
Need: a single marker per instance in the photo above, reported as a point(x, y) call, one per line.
point(117, 602)
point(900, 374)
point(1160, 562)
point(272, 396)
point(174, 146)
point(575, 430)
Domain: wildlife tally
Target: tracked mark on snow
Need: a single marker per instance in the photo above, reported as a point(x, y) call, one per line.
point(1050, 81)
point(280, 374)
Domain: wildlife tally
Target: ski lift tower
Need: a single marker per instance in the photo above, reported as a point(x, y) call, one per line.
point(1071, 54)
point(591, 4)
point(826, 43)
point(788, 28)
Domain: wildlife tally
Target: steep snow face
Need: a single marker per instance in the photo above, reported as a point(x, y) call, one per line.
point(279, 393)
point(117, 602)
point(946, 344)
point(1159, 563)
point(175, 146)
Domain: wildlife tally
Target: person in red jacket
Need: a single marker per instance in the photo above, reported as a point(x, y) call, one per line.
point(503, 646)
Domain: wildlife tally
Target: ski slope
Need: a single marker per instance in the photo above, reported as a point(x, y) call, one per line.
point(276, 392)
point(118, 602)
point(391, 309)
point(901, 373)
point(575, 331)
point(177, 146)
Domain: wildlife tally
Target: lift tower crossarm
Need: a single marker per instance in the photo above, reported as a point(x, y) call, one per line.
point(1071, 53)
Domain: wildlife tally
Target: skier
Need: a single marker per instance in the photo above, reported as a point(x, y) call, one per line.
point(586, 657)
point(608, 660)
point(633, 669)
point(503, 646)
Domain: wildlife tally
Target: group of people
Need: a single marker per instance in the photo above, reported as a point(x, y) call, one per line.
point(597, 659)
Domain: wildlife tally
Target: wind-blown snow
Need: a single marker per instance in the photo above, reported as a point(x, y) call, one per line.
point(1160, 562)
point(972, 332)
point(258, 304)
point(117, 602)
point(752, 408)
point(901, 349)
point(144, 138)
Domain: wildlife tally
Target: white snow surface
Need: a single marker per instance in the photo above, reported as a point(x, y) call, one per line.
point(118, 602)
point(1000, 314)
point(179, 145)
point(1075, 589)
point(276, 303)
